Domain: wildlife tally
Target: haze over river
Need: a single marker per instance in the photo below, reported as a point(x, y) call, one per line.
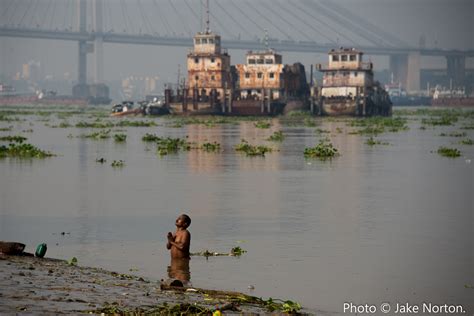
point(385, 223)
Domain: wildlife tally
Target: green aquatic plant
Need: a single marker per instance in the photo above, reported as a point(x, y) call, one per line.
point(377, 124)
point(237, 251)
point(322, 131)
point(171, 145)
point(118, 163)
point(120, 138)
point(15, 139)
point(95, 124)
point(298, 113)
point(97, 135)
point(72, 261)
point(449, 152)
point(150, 138)
point(454, 134)
point(23, 151)
point(136, 123)
point(6, 129)
point(276, 137)
point(262, 124)
point(309, 122)
point(372, 142)
point(467, 141)
point(324, 150)
point(251, 150)
point(443, 120)
point(211, 146)
point(101, 160)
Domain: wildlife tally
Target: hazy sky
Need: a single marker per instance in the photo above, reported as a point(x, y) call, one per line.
point(444, 23)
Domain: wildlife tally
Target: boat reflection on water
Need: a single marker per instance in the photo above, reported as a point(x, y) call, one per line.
point(178, 272)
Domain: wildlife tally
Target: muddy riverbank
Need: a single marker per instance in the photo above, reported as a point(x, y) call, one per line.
point(51, 286)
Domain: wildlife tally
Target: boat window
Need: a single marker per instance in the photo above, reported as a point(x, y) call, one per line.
point(252, 61)
point(259, 75)
point(346, 73)
point(352, 57)
point(259, 61)
point(213, 78)
point(343, 57)
point(198, 41)
point(196, 60)
point(356, 73)
point(204, 40)
point(335, 57)
point(247, 75)
point(268, 61)
point(211, 41)
point(213, 60)
point(272, 75)
point(217, 41)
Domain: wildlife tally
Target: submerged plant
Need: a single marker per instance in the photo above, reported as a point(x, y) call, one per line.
point(324, 150)
point(276, 137)
point(449, 152)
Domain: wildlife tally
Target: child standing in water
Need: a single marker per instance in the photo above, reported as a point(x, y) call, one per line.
point(181, 240)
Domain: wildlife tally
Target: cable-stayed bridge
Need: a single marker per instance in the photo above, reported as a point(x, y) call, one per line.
point(313, 26)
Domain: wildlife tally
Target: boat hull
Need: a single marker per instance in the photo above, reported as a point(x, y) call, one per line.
point(453, 102)
point(342, 107)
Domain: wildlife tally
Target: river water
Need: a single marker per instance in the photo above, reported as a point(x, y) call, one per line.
point(387, 223)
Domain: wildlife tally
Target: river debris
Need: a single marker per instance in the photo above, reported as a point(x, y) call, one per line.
point(56, 285)
point(234, 252)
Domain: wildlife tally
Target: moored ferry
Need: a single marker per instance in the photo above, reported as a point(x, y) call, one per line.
point(349, 87)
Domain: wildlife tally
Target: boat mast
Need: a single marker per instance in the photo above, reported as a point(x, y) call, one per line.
point(208, 30)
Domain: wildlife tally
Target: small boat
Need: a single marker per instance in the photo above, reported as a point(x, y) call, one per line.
point(125, 108)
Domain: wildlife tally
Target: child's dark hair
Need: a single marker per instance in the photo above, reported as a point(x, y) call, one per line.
point(187, 219)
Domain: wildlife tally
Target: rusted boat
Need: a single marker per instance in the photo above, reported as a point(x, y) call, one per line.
point(349, 87)
point(264, 85)
point(208, 86)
